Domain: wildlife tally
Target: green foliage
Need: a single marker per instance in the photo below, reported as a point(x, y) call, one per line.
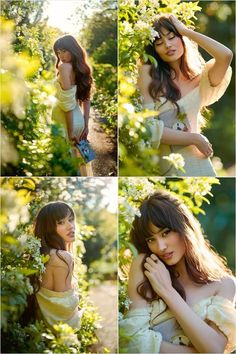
point(99, 36)
point(21, 199)
point(195, 192)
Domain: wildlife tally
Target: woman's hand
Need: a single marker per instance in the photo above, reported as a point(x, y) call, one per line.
point(181, 28)
point(84, 134)
point(74, 138)
point(203, 145)
point(158, 275)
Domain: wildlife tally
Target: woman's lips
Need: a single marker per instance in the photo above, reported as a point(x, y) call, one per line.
point(167, 255)
point(170, 52)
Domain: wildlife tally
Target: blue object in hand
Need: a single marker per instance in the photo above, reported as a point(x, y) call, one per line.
point(86, 150)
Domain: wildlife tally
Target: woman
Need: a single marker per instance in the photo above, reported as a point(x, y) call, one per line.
point(57, 299)
point(178, 87)
point(181, 291)
point(73, 84)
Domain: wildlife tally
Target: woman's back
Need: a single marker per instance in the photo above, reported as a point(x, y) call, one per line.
point(58, 274)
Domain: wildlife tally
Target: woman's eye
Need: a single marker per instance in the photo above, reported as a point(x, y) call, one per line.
point(172, 37)
point(149, 240)
point(61, 222)
point(165, 233)
point(158, 43)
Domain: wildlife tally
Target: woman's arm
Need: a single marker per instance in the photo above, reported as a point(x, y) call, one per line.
point(65, 70)
point(171, 136)
point(205, 339)
point(86, 111)
point(223, 55)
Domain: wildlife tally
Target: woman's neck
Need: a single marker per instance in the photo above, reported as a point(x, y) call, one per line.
point(180, 267)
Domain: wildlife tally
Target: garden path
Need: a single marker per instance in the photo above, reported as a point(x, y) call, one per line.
point(105, 163)
point(105, 299)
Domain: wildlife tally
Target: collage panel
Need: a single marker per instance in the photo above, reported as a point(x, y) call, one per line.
point(59, 265)
point(59, 84)
point(176, 265)
point(176, 88)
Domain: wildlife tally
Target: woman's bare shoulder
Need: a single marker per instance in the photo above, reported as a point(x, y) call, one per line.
point(65, 67)
point(227, 288)
point(61, 258)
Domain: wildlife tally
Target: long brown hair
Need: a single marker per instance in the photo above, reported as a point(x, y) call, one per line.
point(82, 70)
point(166, 210)
point(162, 84)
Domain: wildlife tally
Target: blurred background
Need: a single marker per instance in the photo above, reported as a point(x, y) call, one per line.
point(217, 20)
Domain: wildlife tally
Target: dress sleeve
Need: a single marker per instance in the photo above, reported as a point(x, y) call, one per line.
point(66, 99)
point(136, 335)
point(222, 313)
point(210, 94)
point(154, 126)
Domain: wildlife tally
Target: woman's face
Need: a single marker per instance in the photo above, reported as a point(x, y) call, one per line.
point(169, 47)
point(65, 228)
point(64, 55)
point(166, 244)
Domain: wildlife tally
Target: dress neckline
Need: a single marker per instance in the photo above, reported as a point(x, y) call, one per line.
point(187, 94)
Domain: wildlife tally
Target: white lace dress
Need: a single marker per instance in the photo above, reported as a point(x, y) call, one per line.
point(196, 164)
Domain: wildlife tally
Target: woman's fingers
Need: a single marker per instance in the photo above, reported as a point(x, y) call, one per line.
point(151, 261)
point(148, 266)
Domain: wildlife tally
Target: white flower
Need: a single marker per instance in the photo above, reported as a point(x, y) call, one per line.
point(177, 160)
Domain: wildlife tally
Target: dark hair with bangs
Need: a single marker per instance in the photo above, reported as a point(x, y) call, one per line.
point(82, 70)
point(46, 222)
point(162, 84)
point(165, 210)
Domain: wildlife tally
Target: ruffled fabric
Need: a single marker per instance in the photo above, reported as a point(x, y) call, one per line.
point(58, 307)
point(143, 329)
point(222, 313)
point(66, 98)
point(135, 333)
point(154, 126)
point(210, 94)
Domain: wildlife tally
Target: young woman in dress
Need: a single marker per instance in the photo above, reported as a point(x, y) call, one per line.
point(178, 88)
point(57, 300)
point(182, 293)
point(73, 84)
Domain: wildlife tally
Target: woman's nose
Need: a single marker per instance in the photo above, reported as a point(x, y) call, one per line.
point(161, 244)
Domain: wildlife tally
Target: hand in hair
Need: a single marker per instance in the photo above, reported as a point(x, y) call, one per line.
point(158, 275)
point(181, 28)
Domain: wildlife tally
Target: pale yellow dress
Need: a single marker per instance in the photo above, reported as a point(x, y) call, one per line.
point(56, 307)
point(59, 306)
point(196, 164)
point(66, 101)
point(142, 330)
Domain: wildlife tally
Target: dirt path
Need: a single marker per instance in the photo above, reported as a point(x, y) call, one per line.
point(104, 297)
point(105, 163)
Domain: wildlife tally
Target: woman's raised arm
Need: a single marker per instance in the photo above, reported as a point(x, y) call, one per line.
point(223, 55)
